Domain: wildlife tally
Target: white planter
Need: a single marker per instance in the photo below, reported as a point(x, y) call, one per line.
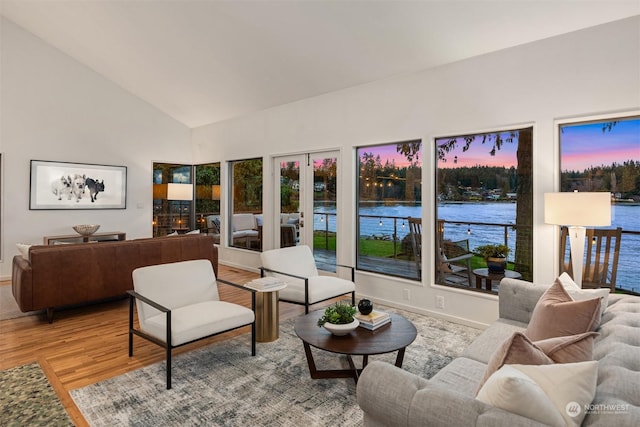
point(344, 329)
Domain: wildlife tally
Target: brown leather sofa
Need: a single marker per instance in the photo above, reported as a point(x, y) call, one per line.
point(63, 275)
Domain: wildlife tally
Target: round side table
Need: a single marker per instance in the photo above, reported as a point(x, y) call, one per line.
point(483, 273)
point(267, 313)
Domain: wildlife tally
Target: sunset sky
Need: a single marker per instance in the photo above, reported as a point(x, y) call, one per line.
point(582, 146)
point(586, 145)
point(479, 154)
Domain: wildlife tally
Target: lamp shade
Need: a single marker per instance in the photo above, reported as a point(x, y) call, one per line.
point(215, 192)
point(581, 209)
point(179, 192)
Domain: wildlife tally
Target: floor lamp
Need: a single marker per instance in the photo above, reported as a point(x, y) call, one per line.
point(577, 210)
point(180, 192)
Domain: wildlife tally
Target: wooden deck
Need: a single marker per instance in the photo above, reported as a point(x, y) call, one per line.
point(326, 260)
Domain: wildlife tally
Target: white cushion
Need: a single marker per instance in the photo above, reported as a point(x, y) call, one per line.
point(199, 320)
point(320, 288)
point(174, 285)
point(194, 232)
point(579, 294)
point(245, 233)
point(551, 394)
point(297, 260)
point(23, 249)
point(175, 233)
point(244, 222)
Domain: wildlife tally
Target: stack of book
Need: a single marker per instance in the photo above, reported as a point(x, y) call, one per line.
point(373, 320)
point(264, 283)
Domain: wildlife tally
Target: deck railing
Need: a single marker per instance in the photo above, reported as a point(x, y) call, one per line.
point(395, 228)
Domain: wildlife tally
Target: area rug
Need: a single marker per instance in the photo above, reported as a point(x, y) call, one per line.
point(8, 307)
point(222, 385)
point(27, 399)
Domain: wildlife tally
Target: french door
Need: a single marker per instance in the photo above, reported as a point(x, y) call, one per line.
point(306, 204)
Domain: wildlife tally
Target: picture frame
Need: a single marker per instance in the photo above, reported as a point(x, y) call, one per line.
point(68, 186)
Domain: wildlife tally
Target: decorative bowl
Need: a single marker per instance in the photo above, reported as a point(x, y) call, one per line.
point(86, 229)
point(340, 330)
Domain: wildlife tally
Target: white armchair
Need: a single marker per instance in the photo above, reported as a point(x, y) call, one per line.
point(296, 266)
point(178, 303)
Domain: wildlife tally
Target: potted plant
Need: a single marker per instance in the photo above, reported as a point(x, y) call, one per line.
point(495, 256)
point(338, 319)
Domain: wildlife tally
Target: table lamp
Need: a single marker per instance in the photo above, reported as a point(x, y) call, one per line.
point(577, 210)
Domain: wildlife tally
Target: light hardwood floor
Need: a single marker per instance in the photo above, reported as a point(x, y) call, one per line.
point(89, 344)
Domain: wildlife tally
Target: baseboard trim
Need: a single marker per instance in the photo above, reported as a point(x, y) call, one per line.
point(436, 314)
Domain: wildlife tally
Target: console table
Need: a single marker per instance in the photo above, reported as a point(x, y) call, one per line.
point(77, 238)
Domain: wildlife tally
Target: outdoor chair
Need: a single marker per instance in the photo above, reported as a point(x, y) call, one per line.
point(415, 232)
point(453, 260)
point(454, 263)
point(178, 303)
point(601, 257)
point(296, 267)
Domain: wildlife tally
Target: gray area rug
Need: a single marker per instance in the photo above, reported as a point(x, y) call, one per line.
point(8, 307)
point(27, 399)
point(222, 385)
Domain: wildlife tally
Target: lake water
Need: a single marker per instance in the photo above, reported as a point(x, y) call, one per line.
point(376, 223)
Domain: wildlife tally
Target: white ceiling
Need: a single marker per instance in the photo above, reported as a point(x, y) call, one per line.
point(205, 61)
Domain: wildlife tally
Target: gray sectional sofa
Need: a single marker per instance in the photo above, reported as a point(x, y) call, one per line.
point(390, 396)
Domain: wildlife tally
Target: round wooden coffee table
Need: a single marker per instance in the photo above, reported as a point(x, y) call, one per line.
point(394, 336)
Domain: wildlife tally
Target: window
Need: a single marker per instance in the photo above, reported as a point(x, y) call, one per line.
point(172, 198)
point(389, 192)
point(604, 155)
point(483, 196)
point(208, 199)
point(245, 219)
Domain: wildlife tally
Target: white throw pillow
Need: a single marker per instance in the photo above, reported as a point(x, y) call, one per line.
point(551, 394)
point(194, 232)
point(579, 294)
point(23, 249)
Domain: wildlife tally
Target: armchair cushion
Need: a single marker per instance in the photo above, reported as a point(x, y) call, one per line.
point(198, 320)
point(242, 222)
point(174, 285)
point(320, 288)
point(296, 260)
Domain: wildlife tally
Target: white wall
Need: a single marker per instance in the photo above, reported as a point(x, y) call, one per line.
point(583, 73)
point(54, 108)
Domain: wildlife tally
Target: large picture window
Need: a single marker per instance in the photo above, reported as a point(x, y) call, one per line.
point(604, 155)
point(484, 197)
point(389, 192)
point(245, 219)
point(208, 195)
point(172, 198)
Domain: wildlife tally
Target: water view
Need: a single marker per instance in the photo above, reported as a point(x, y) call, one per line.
point(382, 221)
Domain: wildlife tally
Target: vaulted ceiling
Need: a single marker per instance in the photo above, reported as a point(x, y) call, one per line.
point(206, 61)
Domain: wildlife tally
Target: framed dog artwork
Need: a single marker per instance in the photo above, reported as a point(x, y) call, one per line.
point(60, 185)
